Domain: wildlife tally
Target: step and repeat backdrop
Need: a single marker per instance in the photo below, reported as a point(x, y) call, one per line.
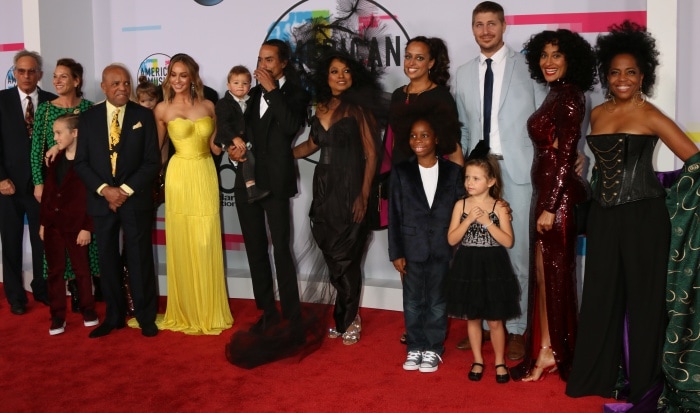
point(222, 33)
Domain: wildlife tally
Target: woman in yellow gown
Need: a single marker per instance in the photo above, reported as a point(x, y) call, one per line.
point(197, 295)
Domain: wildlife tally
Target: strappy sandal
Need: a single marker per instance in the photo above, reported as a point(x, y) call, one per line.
point(352, 334)
point(545, 369)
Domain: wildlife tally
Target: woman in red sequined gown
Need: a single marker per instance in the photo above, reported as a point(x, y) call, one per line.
point(566, 62)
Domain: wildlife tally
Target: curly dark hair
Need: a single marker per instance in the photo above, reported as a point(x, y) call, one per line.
point(76, 71)
point(628, 38)
point(579, 55)
point(362, 77)
point(441, 118)
point(440, 72)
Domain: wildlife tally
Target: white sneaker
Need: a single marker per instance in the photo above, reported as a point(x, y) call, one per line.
point(412, 361)
point(429, 362)
point(58, 326)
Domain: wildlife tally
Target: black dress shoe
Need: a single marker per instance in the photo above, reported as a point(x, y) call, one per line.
point(474, 376)
point(43, 300)
point(104, 329)
point(265, 322)
point(18, 309)
point(149, 330)
point(256, 194)
point(502, 378)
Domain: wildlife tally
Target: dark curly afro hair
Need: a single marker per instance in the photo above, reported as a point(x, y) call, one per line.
point(580, 58)
point(441, 118)
point(628, 38)
point(362, 77)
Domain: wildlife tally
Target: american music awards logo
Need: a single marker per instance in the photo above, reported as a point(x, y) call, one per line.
point(363, 28)
point(10, 80)
point(154, 67)
point(208, 2)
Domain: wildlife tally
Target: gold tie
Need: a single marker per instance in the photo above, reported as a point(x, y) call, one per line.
point(114, 131)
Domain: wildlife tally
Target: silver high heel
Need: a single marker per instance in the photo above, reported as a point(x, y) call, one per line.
point(352, 334)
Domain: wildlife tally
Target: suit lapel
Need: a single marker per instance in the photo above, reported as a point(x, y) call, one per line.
point(265, 120)
point(507, 77)
point(102, 131)
point(476, 96)
point(418, 188)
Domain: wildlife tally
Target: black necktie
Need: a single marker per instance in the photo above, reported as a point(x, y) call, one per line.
point(488, 95)
point(29, 116)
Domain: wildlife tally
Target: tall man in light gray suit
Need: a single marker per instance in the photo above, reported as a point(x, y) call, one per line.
point(515, 96)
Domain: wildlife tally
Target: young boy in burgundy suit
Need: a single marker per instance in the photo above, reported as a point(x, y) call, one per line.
point(65, 226)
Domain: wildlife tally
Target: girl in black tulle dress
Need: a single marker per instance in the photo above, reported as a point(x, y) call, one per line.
point(482, 284)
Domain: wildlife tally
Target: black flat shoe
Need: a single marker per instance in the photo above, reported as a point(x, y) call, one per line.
point(473, 376)
point(502, 378)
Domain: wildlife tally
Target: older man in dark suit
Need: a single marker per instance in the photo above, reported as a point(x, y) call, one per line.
point(276, 112)
point(118, 159)
point(17, 106)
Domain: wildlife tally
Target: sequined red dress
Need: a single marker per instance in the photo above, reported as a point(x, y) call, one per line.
point(555, 130)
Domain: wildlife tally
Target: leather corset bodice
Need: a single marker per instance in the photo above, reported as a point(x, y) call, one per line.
point(623, 169)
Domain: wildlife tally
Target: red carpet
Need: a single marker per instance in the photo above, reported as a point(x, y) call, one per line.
point(174, 372)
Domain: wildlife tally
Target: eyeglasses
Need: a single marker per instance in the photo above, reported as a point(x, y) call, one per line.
point(30, 72)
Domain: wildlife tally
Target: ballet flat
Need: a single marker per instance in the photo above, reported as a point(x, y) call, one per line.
point(473, 376)
point(502, 378)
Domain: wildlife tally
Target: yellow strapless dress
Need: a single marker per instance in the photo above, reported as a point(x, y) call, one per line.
point(197, 295)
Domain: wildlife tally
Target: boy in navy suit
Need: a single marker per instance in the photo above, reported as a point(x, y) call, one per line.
point(423, 191)
point(230, 126)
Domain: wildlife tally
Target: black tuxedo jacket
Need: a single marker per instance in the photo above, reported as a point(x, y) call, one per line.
point(230, 120)
point(15, 142)
point(138, 161)
point(272, 137)
point(418, 231)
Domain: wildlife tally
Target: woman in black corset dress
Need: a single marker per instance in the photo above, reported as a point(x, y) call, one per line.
point(628, 225)
point(346, 132)
point(566, 62)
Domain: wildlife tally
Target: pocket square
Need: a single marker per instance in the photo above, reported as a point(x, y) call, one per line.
point(138, 125)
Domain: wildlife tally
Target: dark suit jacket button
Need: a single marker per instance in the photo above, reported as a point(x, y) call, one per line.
point(430, 231)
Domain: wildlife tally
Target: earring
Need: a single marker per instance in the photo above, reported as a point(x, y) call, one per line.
point(192, 90)
point(639, 98)
point(609, 103)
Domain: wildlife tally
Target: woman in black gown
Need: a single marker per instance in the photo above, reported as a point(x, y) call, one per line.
point(346, 132)
point(427, 66)
point(565, 61)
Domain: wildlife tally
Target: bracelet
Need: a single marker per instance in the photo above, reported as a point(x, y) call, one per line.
point(486, 226)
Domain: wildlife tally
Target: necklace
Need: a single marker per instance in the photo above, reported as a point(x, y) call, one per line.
point(68, 109)
point(408, 93)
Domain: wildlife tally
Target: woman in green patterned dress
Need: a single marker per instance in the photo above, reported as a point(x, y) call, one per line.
point(68, 82)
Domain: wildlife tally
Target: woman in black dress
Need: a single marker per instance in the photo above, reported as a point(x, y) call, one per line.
point(426, 65)
point(346, 132)
point(628, 226)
